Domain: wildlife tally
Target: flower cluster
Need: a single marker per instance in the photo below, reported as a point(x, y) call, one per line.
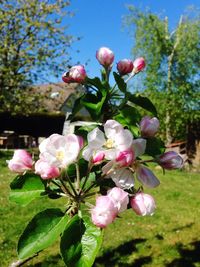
point(105, 57)
point(117, 152)
point(108, 159)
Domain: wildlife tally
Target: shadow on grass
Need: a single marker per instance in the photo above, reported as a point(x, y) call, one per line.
point(115, 257)
point(188, 257)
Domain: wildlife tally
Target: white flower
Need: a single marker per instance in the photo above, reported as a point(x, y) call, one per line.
point(59, 150)
point(115, 139)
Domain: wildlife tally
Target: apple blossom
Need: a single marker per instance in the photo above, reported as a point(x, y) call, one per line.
point(146, 176)
point(45, 170)
point(119, 198)
point(122, 177)
point(21, 161)
point(170, 160)
point(149, 126)
point(104, 211)
point(59, 150)
point(115, 139)
point(143, 204)
point(75, 74)
point(138, 64)
point(105, 56)
point(139, 146)
point(125, 158)
point(124, 66)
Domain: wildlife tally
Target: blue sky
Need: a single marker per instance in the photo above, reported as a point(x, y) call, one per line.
point(99, 23)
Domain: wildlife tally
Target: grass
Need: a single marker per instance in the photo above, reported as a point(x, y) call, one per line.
point(169, 238)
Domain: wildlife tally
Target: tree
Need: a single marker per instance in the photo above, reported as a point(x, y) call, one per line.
point(32, 41)
point(173, 60)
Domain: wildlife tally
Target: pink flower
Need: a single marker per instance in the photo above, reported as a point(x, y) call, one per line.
point(119, 198)
point(105, 56)
point(21, 161)
point(124, 66)
point(143, 204)
point(139, 146)
point(138, 64)
point(115, 139)
point(104, 212)
point(76, 74)
point(170, 160)
point(125, 158)
point(149, 126)
point(146, 176)
point(45, 170)
point(59, 150)
point(122, 177)
point(98, 157)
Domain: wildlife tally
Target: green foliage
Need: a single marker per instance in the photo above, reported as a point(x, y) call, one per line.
point(26, 188)
point(80, 242)
point(171, 234)
point(41, 232)
point(172, 73)
point(32, 42)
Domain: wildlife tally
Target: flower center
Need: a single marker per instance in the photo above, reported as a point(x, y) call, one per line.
point(109, 143)
point(60, 155)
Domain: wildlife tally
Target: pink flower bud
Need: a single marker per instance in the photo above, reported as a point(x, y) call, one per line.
point(146, 177)
point(21, 161)
point(148, 126)
point(98, 157)
point(76, 74)
point(45, 170)
point(124, 66)
point(105, 56)
point(170, 160)
point(104, 212)
point(119, 198)
point(138, 64)
point(143, 204)
point(125, 158)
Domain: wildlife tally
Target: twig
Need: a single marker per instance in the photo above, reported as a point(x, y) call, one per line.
point(22, 262)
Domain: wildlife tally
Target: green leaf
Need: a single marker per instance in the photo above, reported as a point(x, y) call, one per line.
point(76, 107)
point(94, 104)
point(155, 146)
point(41, 232)
point(26, 188)
point(80, 242)
point(143, 102)
point(120, 82)
point(94, 82)
point(129, 116)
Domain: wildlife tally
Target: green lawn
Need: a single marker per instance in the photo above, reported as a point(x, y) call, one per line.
point(171, 237)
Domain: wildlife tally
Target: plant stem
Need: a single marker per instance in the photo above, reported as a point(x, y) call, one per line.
point(22, 262)
point(77, 178)
point(87, 175)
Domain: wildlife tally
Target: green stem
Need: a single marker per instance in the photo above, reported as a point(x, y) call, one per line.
point(77, 178)
point(87, 175)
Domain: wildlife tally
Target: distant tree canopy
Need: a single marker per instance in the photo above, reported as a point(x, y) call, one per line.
point(173, 67)
point(32, 41)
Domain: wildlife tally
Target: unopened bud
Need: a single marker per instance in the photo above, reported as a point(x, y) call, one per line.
point(105, 56)
point(143, 204)
point(124, 66)
point(138, 64)
point(149, 126)
point(170, 160)
point(76, 74)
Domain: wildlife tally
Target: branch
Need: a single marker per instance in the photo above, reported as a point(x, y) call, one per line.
point(22, 262)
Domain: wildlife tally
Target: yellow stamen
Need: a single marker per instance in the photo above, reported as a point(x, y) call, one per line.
point(109, 143)
point(60, 155)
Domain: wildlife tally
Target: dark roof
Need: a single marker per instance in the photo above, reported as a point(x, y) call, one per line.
point(54, 95)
